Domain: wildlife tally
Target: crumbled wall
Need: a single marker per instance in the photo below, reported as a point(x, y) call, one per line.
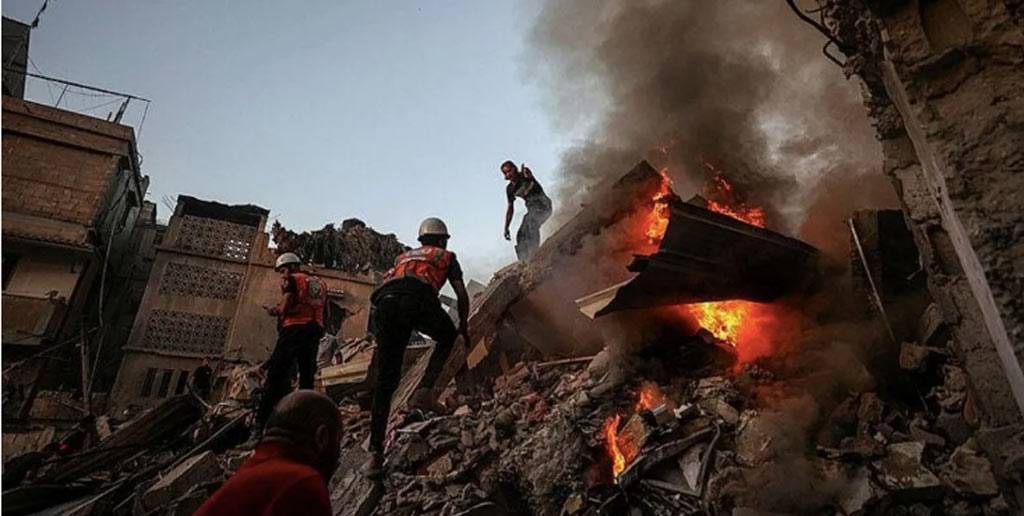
point(944, 96)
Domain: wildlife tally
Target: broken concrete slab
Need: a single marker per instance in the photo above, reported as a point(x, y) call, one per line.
point(754, 439)
point(954, 427)
point(932, 330)
point(724, 411)
point(173, 484)
point(869, 412)
point(902, 472)
point(930, 439)
point(913, 357)
point(857, 493)
point(970, 474)
point(170, 417)
point(698, 245)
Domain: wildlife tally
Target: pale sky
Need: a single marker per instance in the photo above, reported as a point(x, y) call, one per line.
point(383, 110)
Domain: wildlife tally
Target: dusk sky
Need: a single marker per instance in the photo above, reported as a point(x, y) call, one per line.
point(319, 111)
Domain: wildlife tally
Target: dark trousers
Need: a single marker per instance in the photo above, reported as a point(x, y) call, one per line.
point(528, 235)
point(394, 318)
point(296, 346)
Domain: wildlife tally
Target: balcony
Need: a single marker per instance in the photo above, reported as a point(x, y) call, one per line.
point(29, 320)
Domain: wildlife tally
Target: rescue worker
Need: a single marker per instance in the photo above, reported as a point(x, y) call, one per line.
point(406, 301)
point(300, 316)
point(522, 184)
point(288, 472)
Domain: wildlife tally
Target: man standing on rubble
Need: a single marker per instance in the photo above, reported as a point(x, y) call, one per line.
point(407, 301)
point(289, 470)
point(521, 183)
point(300, 316)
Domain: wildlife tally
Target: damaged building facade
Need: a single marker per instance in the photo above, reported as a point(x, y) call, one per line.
point(73, 219)
point(941, 82)
point(213, 273)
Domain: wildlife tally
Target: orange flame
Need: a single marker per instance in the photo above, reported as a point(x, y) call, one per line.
point(621, 447)
point(724, 319)
point(650, 396)
point(722, 199)
point(611, 430)
point(658, 217)
point(752, 216)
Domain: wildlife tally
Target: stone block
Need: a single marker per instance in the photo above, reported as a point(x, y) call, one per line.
point(905, 476)
point(199, 469)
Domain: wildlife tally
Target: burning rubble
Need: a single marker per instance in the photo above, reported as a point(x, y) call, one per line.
point(688, 423)
point(678, 416)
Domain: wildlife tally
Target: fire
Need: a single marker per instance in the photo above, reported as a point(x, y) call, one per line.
point(623, 447)
point(752, 216)
point(658, 217)
point(724, 319)
point(611, 430)
point(650, 396)
point(722, 199)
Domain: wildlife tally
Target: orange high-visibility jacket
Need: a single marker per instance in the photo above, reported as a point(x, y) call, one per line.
point(428, 264)
point(311, 294)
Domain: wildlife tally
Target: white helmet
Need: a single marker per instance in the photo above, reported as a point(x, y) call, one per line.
point(286, 259)
point(433, 226)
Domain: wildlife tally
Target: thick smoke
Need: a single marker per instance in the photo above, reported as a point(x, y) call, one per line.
point(742, 86)
point(739, 84)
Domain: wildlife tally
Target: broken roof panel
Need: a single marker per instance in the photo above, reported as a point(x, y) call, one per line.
point(706, 256)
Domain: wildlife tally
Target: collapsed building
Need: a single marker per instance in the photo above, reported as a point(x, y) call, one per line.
point(74, 222)
point(212, 275)
point(661, 356)
point(640, 391)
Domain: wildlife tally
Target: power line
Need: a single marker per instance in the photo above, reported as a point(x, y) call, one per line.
point(35, 21)
point(77, 84)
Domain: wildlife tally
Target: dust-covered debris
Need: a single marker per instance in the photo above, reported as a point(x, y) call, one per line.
point(354, 247)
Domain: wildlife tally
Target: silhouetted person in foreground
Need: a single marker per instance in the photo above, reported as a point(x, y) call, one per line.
point(290, 468)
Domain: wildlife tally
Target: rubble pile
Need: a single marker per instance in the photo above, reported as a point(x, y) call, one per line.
point(353, 248)
point(166, 460)
point(696, 433)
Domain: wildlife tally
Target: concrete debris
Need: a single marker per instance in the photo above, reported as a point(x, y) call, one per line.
point(913, 357)
point(754, 439)
point(970, 474)
point(857, 493)
point(352, 248)
point(535, 417)
point(953, 427)
point(930, 439)
point(725, 411)
point(905, 476)
point(932, 330)
point(177, 482)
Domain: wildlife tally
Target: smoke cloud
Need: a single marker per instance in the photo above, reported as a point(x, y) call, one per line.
point(741, 85)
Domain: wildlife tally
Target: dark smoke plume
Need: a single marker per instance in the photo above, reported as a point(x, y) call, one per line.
point(741, 85)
